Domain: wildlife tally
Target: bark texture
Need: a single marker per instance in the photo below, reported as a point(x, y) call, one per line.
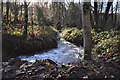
point(26, 18)
point(87, 31)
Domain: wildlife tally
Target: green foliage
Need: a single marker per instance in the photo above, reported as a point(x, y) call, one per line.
point(97, 37)
point(104, 43)
point(16, 33)
point(73, 35)
point(108, 44)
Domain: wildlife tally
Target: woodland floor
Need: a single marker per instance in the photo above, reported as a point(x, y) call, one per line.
point(15, 69)
point(43, 69)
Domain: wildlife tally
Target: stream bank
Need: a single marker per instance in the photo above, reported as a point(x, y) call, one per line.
point(64, 54)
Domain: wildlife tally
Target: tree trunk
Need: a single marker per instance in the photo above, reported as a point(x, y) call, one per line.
point(100, 15)
point(107, 10)
point(2, 12)
point(92, 19)
point(21, 12)
point(115, 14)
point(95, 14)
point(106, 14)
point(1, 7)
point(87, 36)
point(32, 18)
point(26, 18)
point(7, 10)
point(1, 15)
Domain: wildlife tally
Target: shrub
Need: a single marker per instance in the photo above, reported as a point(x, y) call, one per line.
point(104, 43)
point(15, 45)
point(70, 34)
point(73, 35)
point(97, 37)
point(110, 46)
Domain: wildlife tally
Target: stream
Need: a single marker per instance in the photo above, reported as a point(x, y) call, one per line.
point(64, 54)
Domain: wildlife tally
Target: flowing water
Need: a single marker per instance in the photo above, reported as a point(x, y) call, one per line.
point(64, 54)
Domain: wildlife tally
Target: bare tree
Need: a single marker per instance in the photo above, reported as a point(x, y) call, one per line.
point(116, 7)
point(26, 18)
point(95, 14)
point(15, 7)
point(1, 7)
point(7, 9)
point(87, 36)
point(107, 10)
point(106, 14)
